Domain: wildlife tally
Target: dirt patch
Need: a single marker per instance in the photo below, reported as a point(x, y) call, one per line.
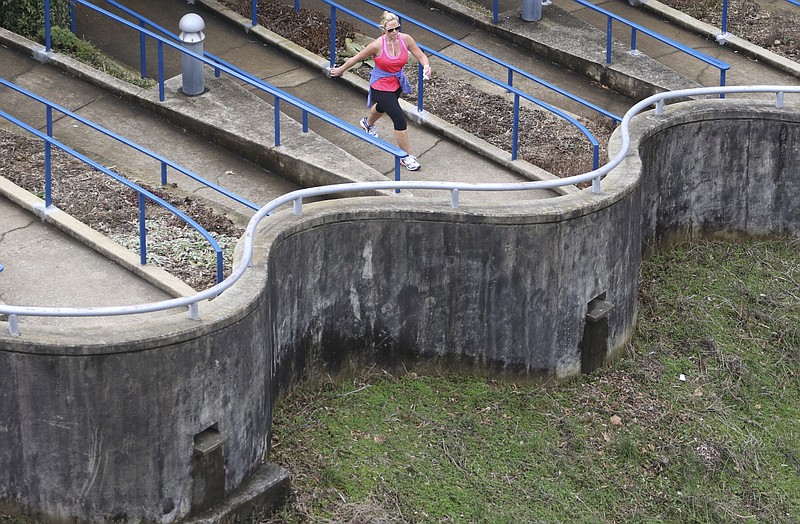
point(761, 23)
point(109, 207)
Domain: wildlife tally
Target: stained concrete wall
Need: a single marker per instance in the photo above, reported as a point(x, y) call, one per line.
point(98, 426)
point(508, 293)
point(103, 428)
point(737, 176)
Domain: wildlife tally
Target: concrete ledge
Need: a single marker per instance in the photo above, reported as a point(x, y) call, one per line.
point(554, 37)
point(263, 492)
point(730, 40)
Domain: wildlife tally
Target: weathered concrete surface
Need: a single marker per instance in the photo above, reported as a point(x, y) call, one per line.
point(91, 416)
point(733, 176)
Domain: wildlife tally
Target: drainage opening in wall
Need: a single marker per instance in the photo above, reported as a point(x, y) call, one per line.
point(208, 469)
point(594, 344)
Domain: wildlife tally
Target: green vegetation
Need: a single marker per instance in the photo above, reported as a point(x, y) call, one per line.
point(26, 18)
point(66, 42)
point(632, 442)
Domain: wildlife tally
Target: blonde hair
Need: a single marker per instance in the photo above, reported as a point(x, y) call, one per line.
point(388, 17)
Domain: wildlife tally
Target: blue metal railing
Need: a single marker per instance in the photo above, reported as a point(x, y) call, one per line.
point(511, 69)
point(165, 162)
point(710, 60)
point(722, 66)
point(142, 193)
point(220, 66)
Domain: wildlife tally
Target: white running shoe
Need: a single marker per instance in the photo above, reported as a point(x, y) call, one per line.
point(410, 163)
point(372, 130)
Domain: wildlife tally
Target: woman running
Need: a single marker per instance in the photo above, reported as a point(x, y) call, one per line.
point(387, 80)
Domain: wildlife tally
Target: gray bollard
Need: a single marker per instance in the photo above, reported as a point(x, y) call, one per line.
point(531, 10)
point(191, 26)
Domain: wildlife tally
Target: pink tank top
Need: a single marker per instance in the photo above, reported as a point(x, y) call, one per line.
point(391, 64)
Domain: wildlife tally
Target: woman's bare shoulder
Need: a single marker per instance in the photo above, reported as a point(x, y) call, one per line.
point(408, 39)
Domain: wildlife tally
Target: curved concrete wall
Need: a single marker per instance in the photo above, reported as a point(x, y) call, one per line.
point(141, 423)
point(104, 429)
point(737, 174)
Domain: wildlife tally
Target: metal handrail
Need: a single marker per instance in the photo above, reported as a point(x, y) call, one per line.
point(508, 86)
point(509, 67)
point(142, 193)
point(296, 198)
point(219, 66)
point(165, 162)
point(710, 60)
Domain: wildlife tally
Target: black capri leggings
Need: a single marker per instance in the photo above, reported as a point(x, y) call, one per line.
point(387, 102)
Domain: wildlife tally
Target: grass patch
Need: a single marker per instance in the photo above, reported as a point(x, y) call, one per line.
point(65, 41)
point(631, 442)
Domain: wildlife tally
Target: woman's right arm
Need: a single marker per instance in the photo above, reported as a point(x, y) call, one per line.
point(369, 51)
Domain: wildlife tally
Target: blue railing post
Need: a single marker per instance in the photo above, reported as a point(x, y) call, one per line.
point(397, 171)
point(72, 16)
point(333, 36)
point(160, 71)
point(48, 172)
point(47, 25)
point(510, 79)
point(595, 156)
point(163, 173)
point(515, 128)
point(142, 49)
point(608, 40)
point(495, 19)
point(277, 105)
point(296, 6)
point(142, 232)
point(254, 13)
point(633, 39)
point(724, 16)
point(420, 88)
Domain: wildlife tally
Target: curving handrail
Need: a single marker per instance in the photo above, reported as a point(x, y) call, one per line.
point(296, 198)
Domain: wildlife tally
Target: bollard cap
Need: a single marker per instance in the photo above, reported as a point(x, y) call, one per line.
point(191, 26)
